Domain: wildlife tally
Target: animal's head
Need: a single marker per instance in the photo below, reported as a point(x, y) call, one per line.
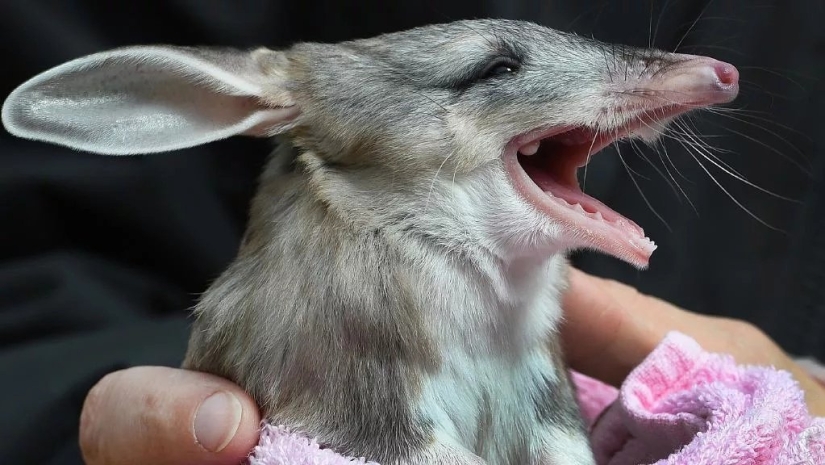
point(471, 131)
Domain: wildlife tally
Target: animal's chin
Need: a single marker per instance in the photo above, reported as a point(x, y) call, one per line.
point(543, 164)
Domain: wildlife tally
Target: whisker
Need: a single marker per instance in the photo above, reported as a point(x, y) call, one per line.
point(690, 133)
point(435, 178)
point(735, 174)
point(668, 171)
point(737, 202)
point(638, 151)
point(689, 129)
point(778, 74)
point(722, 48)
point(675, 168)
point(723, 111)
point(773, 133)
point(650, 27)
point(585, 13)
point(589, 155)
point(687, 33)
point(659, 20)
point(684, 131)
point(807, 171)
point(644, 197)
point(664, 148)
point(748, 85)
point(638, 174)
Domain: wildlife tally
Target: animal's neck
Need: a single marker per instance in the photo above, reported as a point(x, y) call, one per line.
point(402, 275)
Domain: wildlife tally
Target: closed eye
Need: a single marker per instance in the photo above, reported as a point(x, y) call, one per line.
point(500, 66)
point(495, 67)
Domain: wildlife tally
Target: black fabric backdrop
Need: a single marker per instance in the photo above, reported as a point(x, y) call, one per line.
point(101, 257)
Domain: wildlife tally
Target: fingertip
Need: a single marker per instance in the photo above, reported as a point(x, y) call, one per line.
point(573, 271)
point(238, 425)
point(584, 298)
point(217, 420)
point(610, 327)
point(225, 423)
point(576, 277)
point(599, 330)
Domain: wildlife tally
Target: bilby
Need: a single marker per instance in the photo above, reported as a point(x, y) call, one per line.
point(397, 292)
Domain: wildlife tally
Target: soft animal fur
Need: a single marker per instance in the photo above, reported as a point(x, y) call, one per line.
point(396, 294)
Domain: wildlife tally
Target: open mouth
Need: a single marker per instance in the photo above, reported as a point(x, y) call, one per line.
point(543, 165)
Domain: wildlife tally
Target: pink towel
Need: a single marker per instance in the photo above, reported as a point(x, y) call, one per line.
point(681, 406)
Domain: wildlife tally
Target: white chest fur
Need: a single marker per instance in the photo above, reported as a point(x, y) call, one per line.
point(496, 368)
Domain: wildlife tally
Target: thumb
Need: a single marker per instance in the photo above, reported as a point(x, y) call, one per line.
point(167, 416)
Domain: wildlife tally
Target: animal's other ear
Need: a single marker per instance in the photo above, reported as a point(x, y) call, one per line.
point(153, 99)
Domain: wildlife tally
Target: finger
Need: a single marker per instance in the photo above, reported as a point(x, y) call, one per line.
point(648, 319)
point(610, 328)
point(167, 416)
point(602, 338)
point(608, 323)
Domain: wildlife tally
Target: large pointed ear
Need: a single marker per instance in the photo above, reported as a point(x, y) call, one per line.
point(153, 99)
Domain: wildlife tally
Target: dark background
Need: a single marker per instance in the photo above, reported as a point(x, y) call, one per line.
point(101, 257)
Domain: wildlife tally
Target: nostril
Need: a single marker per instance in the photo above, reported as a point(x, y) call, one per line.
point(727, 74)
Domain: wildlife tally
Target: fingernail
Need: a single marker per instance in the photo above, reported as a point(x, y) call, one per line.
point(217, 421)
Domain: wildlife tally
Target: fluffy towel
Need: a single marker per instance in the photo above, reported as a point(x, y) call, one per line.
point(681, 406)
point(687, 406)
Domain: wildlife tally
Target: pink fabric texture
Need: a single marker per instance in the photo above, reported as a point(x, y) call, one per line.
point(681, 406)
point(278, 446)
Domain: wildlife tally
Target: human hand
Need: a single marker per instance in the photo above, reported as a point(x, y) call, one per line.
point(167, 416)
point(610, 328)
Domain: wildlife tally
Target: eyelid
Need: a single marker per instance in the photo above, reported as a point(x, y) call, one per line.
point(502, 60)
point(480, 73)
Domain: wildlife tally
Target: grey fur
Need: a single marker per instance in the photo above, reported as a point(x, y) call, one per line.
point(386, 251)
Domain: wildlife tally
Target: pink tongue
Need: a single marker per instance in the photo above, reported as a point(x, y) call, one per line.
point(573, 195)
